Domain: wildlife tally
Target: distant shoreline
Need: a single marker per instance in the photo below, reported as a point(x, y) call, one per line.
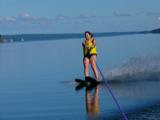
point(38, 37)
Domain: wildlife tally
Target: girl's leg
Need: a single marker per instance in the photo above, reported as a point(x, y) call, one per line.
point(86, 66)
point(94, 67)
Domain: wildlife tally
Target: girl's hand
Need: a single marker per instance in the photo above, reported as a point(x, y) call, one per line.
point(86, 46)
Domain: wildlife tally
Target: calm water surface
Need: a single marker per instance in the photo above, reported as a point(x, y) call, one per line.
point(34, 75)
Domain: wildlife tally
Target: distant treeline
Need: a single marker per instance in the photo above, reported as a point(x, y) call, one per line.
point(156, 31)
point(41, 37)
point(1, 38)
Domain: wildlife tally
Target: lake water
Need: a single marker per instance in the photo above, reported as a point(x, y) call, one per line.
point(37, 80)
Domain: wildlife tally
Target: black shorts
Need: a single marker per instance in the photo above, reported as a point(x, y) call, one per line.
point(89, 56)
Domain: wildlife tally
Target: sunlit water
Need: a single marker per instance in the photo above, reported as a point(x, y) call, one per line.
point(34, 79)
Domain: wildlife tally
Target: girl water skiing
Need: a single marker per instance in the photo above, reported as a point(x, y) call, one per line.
point(90, 54)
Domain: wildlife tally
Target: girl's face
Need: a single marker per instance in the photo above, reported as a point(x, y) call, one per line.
point(88, 36)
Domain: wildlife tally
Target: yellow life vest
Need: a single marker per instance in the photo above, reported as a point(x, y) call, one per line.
point(89, 50)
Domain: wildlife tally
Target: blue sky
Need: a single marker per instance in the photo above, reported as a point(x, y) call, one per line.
point(66, 16)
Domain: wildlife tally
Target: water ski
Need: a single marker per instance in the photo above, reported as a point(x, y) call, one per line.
point(89, 83)
point(88, 80)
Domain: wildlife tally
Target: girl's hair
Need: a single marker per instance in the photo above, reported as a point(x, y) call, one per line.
point(89, 33)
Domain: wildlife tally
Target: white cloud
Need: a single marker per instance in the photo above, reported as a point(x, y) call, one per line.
point(79, 17)
point(28, 19)
point(118, 14)
point(25, 15)
point(91, 16)
point(7, 19)
point(25, 18)
point(62, 17)
point(153, 14)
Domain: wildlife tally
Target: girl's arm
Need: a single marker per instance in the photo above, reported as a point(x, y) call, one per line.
point(94, 43)
point(84, 45)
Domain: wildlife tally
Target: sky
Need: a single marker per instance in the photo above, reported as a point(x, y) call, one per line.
point(74, 16)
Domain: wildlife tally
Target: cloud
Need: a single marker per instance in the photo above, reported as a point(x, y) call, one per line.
point(155, 14)
point(7, 19)
point(79, 17)
point(92, 16)
point(62, 17)
point(25, 18)
point(28, 19)
point(121, 14)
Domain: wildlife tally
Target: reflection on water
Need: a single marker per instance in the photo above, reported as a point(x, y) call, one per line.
point(133, 97)
point(92, 102)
